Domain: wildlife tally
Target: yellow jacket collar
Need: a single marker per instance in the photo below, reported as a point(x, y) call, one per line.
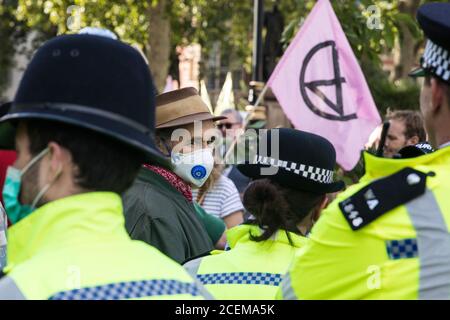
point(379, 167)
point(241, 234)
point(69, 220)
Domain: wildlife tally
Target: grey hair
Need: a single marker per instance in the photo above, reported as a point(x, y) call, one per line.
point(236, 114)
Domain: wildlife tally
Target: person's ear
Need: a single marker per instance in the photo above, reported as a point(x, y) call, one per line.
point(58, 157)
point(413, 141)
point(447, 95)
point(437, 95)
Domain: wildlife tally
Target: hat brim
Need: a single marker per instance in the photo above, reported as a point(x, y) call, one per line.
point(418, 72)
point(112, 128)
point(253, 171)
point(204, 116)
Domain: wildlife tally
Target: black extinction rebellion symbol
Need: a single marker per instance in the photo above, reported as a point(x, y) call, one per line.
point(338, 107)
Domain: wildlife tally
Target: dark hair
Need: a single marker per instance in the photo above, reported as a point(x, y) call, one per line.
point(165, 133)
point(103, 164)
point(413, 122)
point(276, 207)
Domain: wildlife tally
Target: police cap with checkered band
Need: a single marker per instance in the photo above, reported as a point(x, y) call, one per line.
point(434, 19)
point(305, 161)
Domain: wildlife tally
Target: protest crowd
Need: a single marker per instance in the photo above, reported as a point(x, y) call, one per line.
point(112, 190)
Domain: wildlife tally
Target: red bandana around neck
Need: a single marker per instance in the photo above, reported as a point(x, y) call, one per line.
point(174, 180)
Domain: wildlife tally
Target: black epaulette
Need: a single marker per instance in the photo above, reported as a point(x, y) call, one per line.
point(205, 254)
point(382, 196)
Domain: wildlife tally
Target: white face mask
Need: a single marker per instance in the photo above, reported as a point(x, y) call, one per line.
point(194, 167)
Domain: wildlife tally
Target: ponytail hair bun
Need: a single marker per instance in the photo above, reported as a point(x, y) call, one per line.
point(276, 207)
point(265, 201)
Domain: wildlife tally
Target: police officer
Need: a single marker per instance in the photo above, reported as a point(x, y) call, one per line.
point(82, 122)
point(285, 203)
point(413, 151)
point(388, 236)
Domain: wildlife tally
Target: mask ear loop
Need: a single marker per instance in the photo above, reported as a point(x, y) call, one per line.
point(34, 160)
point(45, 189)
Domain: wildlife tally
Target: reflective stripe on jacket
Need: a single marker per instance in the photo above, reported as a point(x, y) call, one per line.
point(403, 254)
point(250, 270)
point(77, 248)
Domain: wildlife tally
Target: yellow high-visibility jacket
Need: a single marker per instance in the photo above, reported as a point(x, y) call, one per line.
point(250, 270)
point(403, 254)
point(77, 248)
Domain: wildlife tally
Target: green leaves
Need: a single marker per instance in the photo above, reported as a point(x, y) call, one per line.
point(289, 33)
point(126, 18)
point(211, 22)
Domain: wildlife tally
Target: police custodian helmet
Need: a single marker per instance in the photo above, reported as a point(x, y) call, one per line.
point(92, 81)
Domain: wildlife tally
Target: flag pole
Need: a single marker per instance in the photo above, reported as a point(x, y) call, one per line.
point(261, 95)
point(246, 120)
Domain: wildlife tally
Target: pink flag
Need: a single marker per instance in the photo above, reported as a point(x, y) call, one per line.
point(321, 87)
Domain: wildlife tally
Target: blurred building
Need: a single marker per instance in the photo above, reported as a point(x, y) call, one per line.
point(189, 65)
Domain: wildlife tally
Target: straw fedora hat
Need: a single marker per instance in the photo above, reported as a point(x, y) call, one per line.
point(181, 107)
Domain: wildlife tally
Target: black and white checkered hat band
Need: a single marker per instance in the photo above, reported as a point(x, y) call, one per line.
point(308, 172)
point(436, 59)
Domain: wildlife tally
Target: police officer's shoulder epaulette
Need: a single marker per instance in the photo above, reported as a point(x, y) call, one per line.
point(383, 195)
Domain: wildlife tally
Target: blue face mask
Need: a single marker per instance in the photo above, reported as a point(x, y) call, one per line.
point(11, 191)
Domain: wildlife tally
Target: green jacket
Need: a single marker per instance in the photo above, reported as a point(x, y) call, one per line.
point(158, 214)
point(214, 226)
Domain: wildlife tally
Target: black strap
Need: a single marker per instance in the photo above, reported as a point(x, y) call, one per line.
point(63, 107)
point(382, 196)
point(208, 253)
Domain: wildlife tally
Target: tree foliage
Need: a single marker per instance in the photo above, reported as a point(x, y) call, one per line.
point(11, 33)
point(201, 21)
point(126, 18)
point(368, 41)
point(209, 22)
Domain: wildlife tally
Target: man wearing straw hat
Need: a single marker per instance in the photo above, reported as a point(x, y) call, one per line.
point(159, 208)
